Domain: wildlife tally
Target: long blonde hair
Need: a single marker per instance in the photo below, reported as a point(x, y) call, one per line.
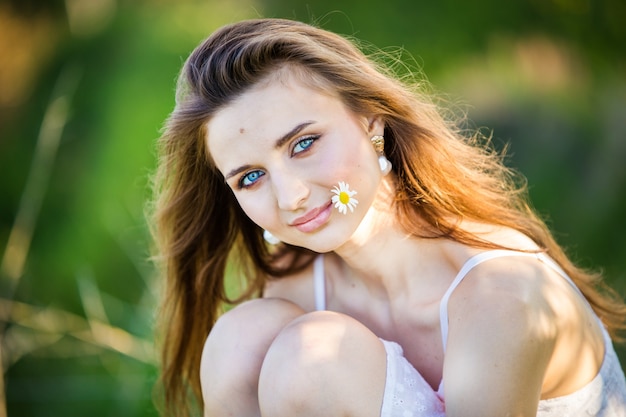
point(199, 229)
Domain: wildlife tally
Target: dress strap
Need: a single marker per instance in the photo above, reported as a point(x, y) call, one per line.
point(319, 282)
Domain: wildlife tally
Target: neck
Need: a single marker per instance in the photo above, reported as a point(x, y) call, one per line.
point(383, 255)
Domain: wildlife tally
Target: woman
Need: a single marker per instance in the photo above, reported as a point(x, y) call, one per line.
point(410, 275)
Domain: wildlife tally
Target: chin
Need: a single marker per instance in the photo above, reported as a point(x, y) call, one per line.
point(318, 247)
point(319, 243)
point(330, 237)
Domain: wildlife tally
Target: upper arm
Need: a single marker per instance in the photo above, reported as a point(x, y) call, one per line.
point(501, 339)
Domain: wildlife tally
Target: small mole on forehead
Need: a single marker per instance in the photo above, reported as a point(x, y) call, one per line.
point(242, 130)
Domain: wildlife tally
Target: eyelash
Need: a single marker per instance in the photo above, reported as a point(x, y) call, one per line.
point(311, 139)
point(241, 183)
point(307, 139)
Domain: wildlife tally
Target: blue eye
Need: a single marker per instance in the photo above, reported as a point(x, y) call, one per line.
point(304, 144)
point(250, 178)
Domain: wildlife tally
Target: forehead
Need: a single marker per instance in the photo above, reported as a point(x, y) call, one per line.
point(265, 112)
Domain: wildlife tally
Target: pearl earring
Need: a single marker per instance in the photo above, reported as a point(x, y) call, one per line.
point(379, 145)
point(270, 238)
point(385, 164)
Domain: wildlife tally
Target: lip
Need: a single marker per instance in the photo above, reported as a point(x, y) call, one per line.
point(313, 219)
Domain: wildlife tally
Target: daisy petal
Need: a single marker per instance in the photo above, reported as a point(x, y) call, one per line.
point(343, 198)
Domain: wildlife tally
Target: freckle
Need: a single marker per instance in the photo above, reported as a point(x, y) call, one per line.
point(242, 130)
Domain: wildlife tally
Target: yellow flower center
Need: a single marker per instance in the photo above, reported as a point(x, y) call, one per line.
point(344, 197)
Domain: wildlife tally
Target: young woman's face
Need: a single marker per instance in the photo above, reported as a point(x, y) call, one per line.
point(282, 147)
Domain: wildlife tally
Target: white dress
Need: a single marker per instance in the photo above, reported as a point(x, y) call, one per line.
point(407, 394)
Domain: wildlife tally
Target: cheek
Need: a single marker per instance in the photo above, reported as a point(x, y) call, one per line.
point(358, 166)
point(342, 163)
point(257, 209)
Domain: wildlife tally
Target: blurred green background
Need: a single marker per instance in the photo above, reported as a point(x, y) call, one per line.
point(86, 84)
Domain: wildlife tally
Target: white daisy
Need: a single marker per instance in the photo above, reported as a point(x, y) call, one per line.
point(343, 198)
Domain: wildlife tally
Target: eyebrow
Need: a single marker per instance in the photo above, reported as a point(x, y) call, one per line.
point(279, 143)
point(293, 132)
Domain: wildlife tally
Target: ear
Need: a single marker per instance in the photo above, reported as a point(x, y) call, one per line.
point(375, 125)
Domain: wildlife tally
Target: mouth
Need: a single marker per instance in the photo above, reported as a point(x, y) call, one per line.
point(313, 219)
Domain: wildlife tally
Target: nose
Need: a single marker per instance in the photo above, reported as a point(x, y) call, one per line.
point(290, 191)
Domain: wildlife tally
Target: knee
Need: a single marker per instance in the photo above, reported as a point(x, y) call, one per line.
point(235, 348)
point(252, 321)
point(314, 359)
point(311, 344)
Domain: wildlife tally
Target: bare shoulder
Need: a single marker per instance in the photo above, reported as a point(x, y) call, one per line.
point(297, 288)
point(508, 282)
point(503, 327)
point(505, 284)
point(522, 320)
